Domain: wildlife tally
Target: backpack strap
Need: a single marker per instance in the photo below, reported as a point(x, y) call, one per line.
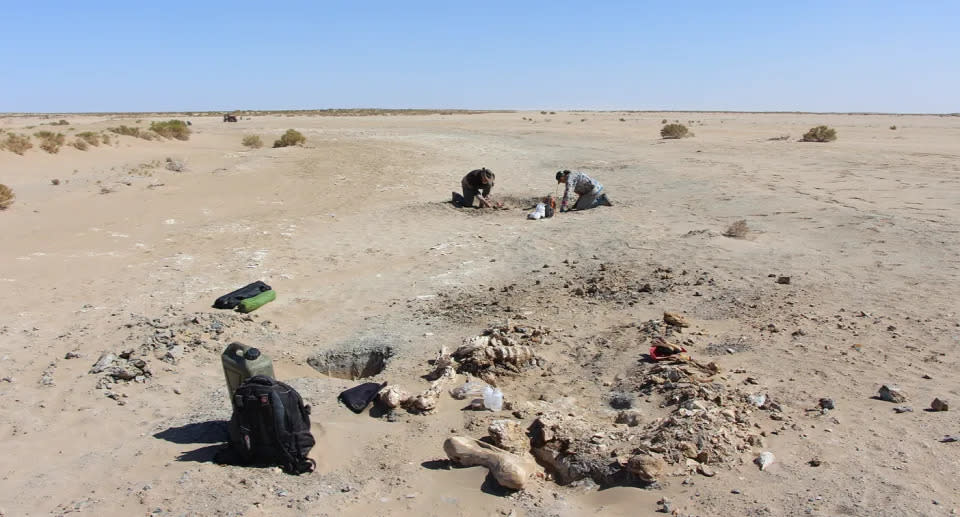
point(298, 463)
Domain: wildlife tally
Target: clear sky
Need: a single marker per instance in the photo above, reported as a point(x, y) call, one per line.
point(169, 55)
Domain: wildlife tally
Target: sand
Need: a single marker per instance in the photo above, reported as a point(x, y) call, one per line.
point(355, 232)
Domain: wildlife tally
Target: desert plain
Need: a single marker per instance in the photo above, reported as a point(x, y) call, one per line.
point(355, 232)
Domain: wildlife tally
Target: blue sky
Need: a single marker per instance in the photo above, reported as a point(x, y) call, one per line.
point(211, 55)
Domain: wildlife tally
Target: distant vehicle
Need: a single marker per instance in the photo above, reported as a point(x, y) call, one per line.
point(229, 118)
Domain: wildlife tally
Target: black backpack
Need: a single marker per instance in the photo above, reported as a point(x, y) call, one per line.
point(232, 299)
point(271, 426)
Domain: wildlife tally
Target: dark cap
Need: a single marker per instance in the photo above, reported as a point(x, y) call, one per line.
point(561, 174)
point(251, 354)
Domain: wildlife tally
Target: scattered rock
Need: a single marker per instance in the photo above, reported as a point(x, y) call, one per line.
point(706, 471)
point(827, 403)
point(815, 462)
point(631, 418)
point(666, 505)
point(764, 460)
point(621, 400)
point(675, 320)
point(647, 468)
point(939, 404)
point(71, 355)
point(892, 393)
point(785, 280)
point(509, 435)
point(903, 409)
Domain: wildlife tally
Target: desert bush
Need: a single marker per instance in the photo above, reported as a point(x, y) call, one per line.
point(893, 128)
point(6, 196)
point(252, 141)
point(291, 137)
point(674, 131)
point(553, 112)
point(622, 119)
point(171, 129)
point(55, 182)
point(17, 143)
point(105, 138)
point(50, 141)
point(737, 230)
point(820, 134)
point(61, 122)
point(80, 144)
point(779, 138)
point(89, 137)
point(543, 112)
point(664, 121)
point(126, 131)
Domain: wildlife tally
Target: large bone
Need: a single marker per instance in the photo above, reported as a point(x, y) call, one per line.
point(510, 470)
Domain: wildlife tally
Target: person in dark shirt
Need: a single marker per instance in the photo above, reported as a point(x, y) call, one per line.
point(476, 184)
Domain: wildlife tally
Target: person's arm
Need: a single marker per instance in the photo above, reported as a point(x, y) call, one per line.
point(566, 193)
point(486, 189)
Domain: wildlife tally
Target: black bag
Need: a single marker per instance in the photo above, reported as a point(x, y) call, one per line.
point(231, 300)
point(271, 426)
point(358, 397)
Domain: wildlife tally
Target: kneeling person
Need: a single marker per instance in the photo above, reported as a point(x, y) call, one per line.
point(477, 184)
point(589, 190)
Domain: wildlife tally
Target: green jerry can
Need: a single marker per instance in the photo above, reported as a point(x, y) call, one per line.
point(240, 362)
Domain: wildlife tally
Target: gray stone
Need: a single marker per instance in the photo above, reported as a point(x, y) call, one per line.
point(106, 359)
point(939, 404)
point(892, 393)
point(827, 403)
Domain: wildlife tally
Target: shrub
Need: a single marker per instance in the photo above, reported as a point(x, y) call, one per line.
point(126, 131)
point(779, 138)
point(55, 182)
point(171, 129)
point(893, 128)
point(60, 123)
point(737, 230)
point(50, 141)
point(622, 119)
point(80, 144)
point(664, 121)
point(6, 196)
point(105, 138)
point(674, 131)
point(252, 141)
point(291, 137)
point(820, 134)
point(17, 143)
point(89, 137)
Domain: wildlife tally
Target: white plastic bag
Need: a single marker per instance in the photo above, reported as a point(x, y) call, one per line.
point(492, 398)
point(539, 212)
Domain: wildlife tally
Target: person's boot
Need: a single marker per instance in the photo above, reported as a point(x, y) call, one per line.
point(604, 200)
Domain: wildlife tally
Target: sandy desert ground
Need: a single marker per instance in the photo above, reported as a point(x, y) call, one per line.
point(355, 232)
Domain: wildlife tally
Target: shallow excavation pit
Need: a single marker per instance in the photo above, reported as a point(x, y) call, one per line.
point(357, 362)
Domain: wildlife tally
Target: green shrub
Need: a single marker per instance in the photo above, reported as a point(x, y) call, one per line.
point(60, 123)
point(291, 137)
point(126, 131)
point(820, 134)
point(17, 143)
point(252, 141)
point(50, 141)
point(89, 137)
point(171, 129)
point(6, 196)
point(674, 131)
point(664, 121)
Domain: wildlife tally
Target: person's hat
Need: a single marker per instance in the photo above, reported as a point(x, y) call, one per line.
point(487, 175)
point(561, 174)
